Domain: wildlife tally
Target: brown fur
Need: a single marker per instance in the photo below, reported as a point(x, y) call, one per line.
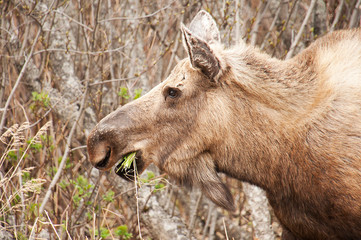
point(290, 127)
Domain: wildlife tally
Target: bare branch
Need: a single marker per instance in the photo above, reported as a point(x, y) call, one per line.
point(137, 18)
point(338, 15)
point(65, 155)
point(30, 55)
point(73, 20)
point(300, 31)
point(355, 13)
point(258, 20)
point(272, 25)
point(18, 80)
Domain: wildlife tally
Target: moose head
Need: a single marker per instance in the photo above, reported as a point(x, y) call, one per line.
point(181, 124)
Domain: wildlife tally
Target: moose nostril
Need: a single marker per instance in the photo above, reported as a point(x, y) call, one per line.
point(105, 160)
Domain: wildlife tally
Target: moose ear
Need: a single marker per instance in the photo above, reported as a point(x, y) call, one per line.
point(201, 55)
point(204, 26)
point(203, 32)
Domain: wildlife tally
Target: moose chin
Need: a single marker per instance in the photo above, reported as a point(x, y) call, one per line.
point(291, 127)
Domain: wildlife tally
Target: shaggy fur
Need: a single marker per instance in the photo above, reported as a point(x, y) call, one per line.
point(290, 127)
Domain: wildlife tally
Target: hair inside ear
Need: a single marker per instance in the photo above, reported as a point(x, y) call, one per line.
point(200, 54)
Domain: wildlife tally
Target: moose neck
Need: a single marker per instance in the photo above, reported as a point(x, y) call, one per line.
point(286, 86)
point(277, 95)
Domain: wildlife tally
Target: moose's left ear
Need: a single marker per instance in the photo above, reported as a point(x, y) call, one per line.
point(200, 54)
point(204, 26)
point(203, 32)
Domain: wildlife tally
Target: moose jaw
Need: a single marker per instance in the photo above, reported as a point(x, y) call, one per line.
point(291, 127)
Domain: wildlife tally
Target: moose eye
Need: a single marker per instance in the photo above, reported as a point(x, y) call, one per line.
point(173, 93)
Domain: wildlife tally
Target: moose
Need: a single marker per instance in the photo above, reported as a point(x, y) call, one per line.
point(291, 127)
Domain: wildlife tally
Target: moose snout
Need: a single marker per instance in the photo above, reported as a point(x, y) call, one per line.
point(108, 139)
point(99, 152)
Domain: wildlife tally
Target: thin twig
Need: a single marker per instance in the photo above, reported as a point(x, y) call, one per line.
point(65, 155)
point(22, 217)
point(66, 226)
point(212, 228)
point(136, 197)
point(294, 4)
point(237, 19)
point(176, 194)
point(170, 195)
point(19, 79)
point(338, 15)
point(52, 225)
point(225, 228)
point(355, 12)
point(194, 214)
point(77, 148)
point(22, 72)
point(26, 37)
point(94, 53)
point(32, 229)
point(113, 80)
point(300, 31)
point(74, 20)
point(272, 25)
point(174, 50)
point(137, 18)
point(110, 29)
point(208, 220)
point(11, 216)
point(259, 18)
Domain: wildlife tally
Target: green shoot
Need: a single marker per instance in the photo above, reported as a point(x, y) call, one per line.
point(127, 161)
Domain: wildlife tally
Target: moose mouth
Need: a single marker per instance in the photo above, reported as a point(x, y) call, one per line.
point(130, 173)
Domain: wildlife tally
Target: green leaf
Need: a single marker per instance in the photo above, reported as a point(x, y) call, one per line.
point(109, 196)
point(122, 231)
point(123, 93)
point(150, 175)
point(104, 232)
point(63, 184)
point(159, 186)
point(137, 93)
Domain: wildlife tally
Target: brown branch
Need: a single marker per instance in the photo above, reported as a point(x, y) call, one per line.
point(137, 18)
point(300, 31)
point(338, 15)
point(65, 155)
point(294, 4)
point(275, 18)
point(21, 74)
point(355, 13)
point(258, 20)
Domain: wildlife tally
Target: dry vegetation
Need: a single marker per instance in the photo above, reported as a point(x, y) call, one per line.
point(66, 64)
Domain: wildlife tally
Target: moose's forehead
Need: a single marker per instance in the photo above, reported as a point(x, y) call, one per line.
point(180, 73)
